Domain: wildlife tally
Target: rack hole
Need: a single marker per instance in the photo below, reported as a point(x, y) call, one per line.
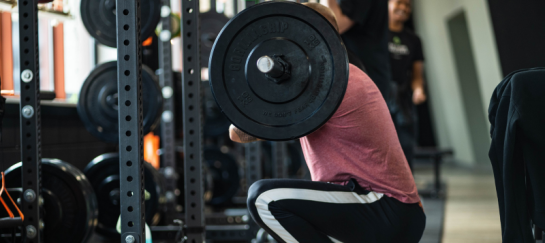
point(129, 148)
point(129, 163)
point(129, 178)
point(191, 132)
point(25, 3)
point(27, 87)
point(27, 99)
point(127, 73)
point(191, 119)
point(128, 118)
point(126, 12)
point(192, 168)
point(126, 42)
point(189, 59)
point(130, 209)
point(188, 34)
point(25, 15)
point(128, 133)
point(189, 10)
point(28, 135)
point(192, 180)
point(128, 103)
point(126, 27)
point(127, 57)
point(26, 51)
point(188, 22)
point(192, 193)
point(190, 95)
point(25, 27)
point(28, 123)
point(190, 107)
point(129, 193)
point(25, 39)
point(127, 87)
point(28, 147)
point(193, 205)
point(131, 224)
point(29, 171)
point(190, 83)
point(26, 63)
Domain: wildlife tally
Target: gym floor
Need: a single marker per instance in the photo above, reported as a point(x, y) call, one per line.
point(471, 208)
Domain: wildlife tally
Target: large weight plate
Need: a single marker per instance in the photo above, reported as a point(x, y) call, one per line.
point(70, 204)
point(211, 24)
point(295, 107)
point(103, 173)
point(97, 103)
point(99, 18)
point(223, 170)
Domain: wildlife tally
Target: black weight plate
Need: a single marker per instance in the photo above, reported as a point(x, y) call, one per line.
point(211, 24)
point(70, 205)
point(97, 103)
point(295, 107)
point(99, 18)
point(216, 123)
point(223, 169)
point(103, 173)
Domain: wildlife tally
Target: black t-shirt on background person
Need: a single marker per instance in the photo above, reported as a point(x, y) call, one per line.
point(405, 49)
point(368, 38)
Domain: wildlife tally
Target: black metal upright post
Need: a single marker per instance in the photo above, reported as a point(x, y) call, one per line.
point(129, 75)
point(253, 163)
point(191, 101)
point(30, 118)
point(168, 133)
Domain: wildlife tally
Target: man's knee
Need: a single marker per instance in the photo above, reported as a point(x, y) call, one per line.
point(256, 189)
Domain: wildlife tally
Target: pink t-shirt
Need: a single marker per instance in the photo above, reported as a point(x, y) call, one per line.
point(360, 142)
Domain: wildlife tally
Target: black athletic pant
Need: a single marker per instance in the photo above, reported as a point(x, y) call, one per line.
point(316, 212)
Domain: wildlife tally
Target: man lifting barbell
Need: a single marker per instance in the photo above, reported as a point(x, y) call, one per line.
point(362, 189)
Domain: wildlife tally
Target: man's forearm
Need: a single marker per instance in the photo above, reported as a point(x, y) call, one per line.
point(417, 83)
point(239, 136)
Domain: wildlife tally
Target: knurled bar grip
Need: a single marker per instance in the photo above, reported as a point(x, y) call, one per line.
point(30, 117)
point(129, 76)
point(192, 125)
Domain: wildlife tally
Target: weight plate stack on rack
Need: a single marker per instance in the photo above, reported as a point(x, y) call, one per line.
point(99, 19)
point(98, 102)
point(69, 205)
point(103, 173)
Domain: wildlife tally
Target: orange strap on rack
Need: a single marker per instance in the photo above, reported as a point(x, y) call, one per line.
point(11, 199)
point(151, 146)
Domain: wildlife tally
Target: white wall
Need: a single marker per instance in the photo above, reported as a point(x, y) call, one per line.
point(446, 99)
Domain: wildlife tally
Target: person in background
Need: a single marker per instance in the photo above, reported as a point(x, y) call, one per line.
point(406, 61)
point(363, 25)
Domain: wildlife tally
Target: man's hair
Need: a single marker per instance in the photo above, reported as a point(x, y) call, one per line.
point(324, 11)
